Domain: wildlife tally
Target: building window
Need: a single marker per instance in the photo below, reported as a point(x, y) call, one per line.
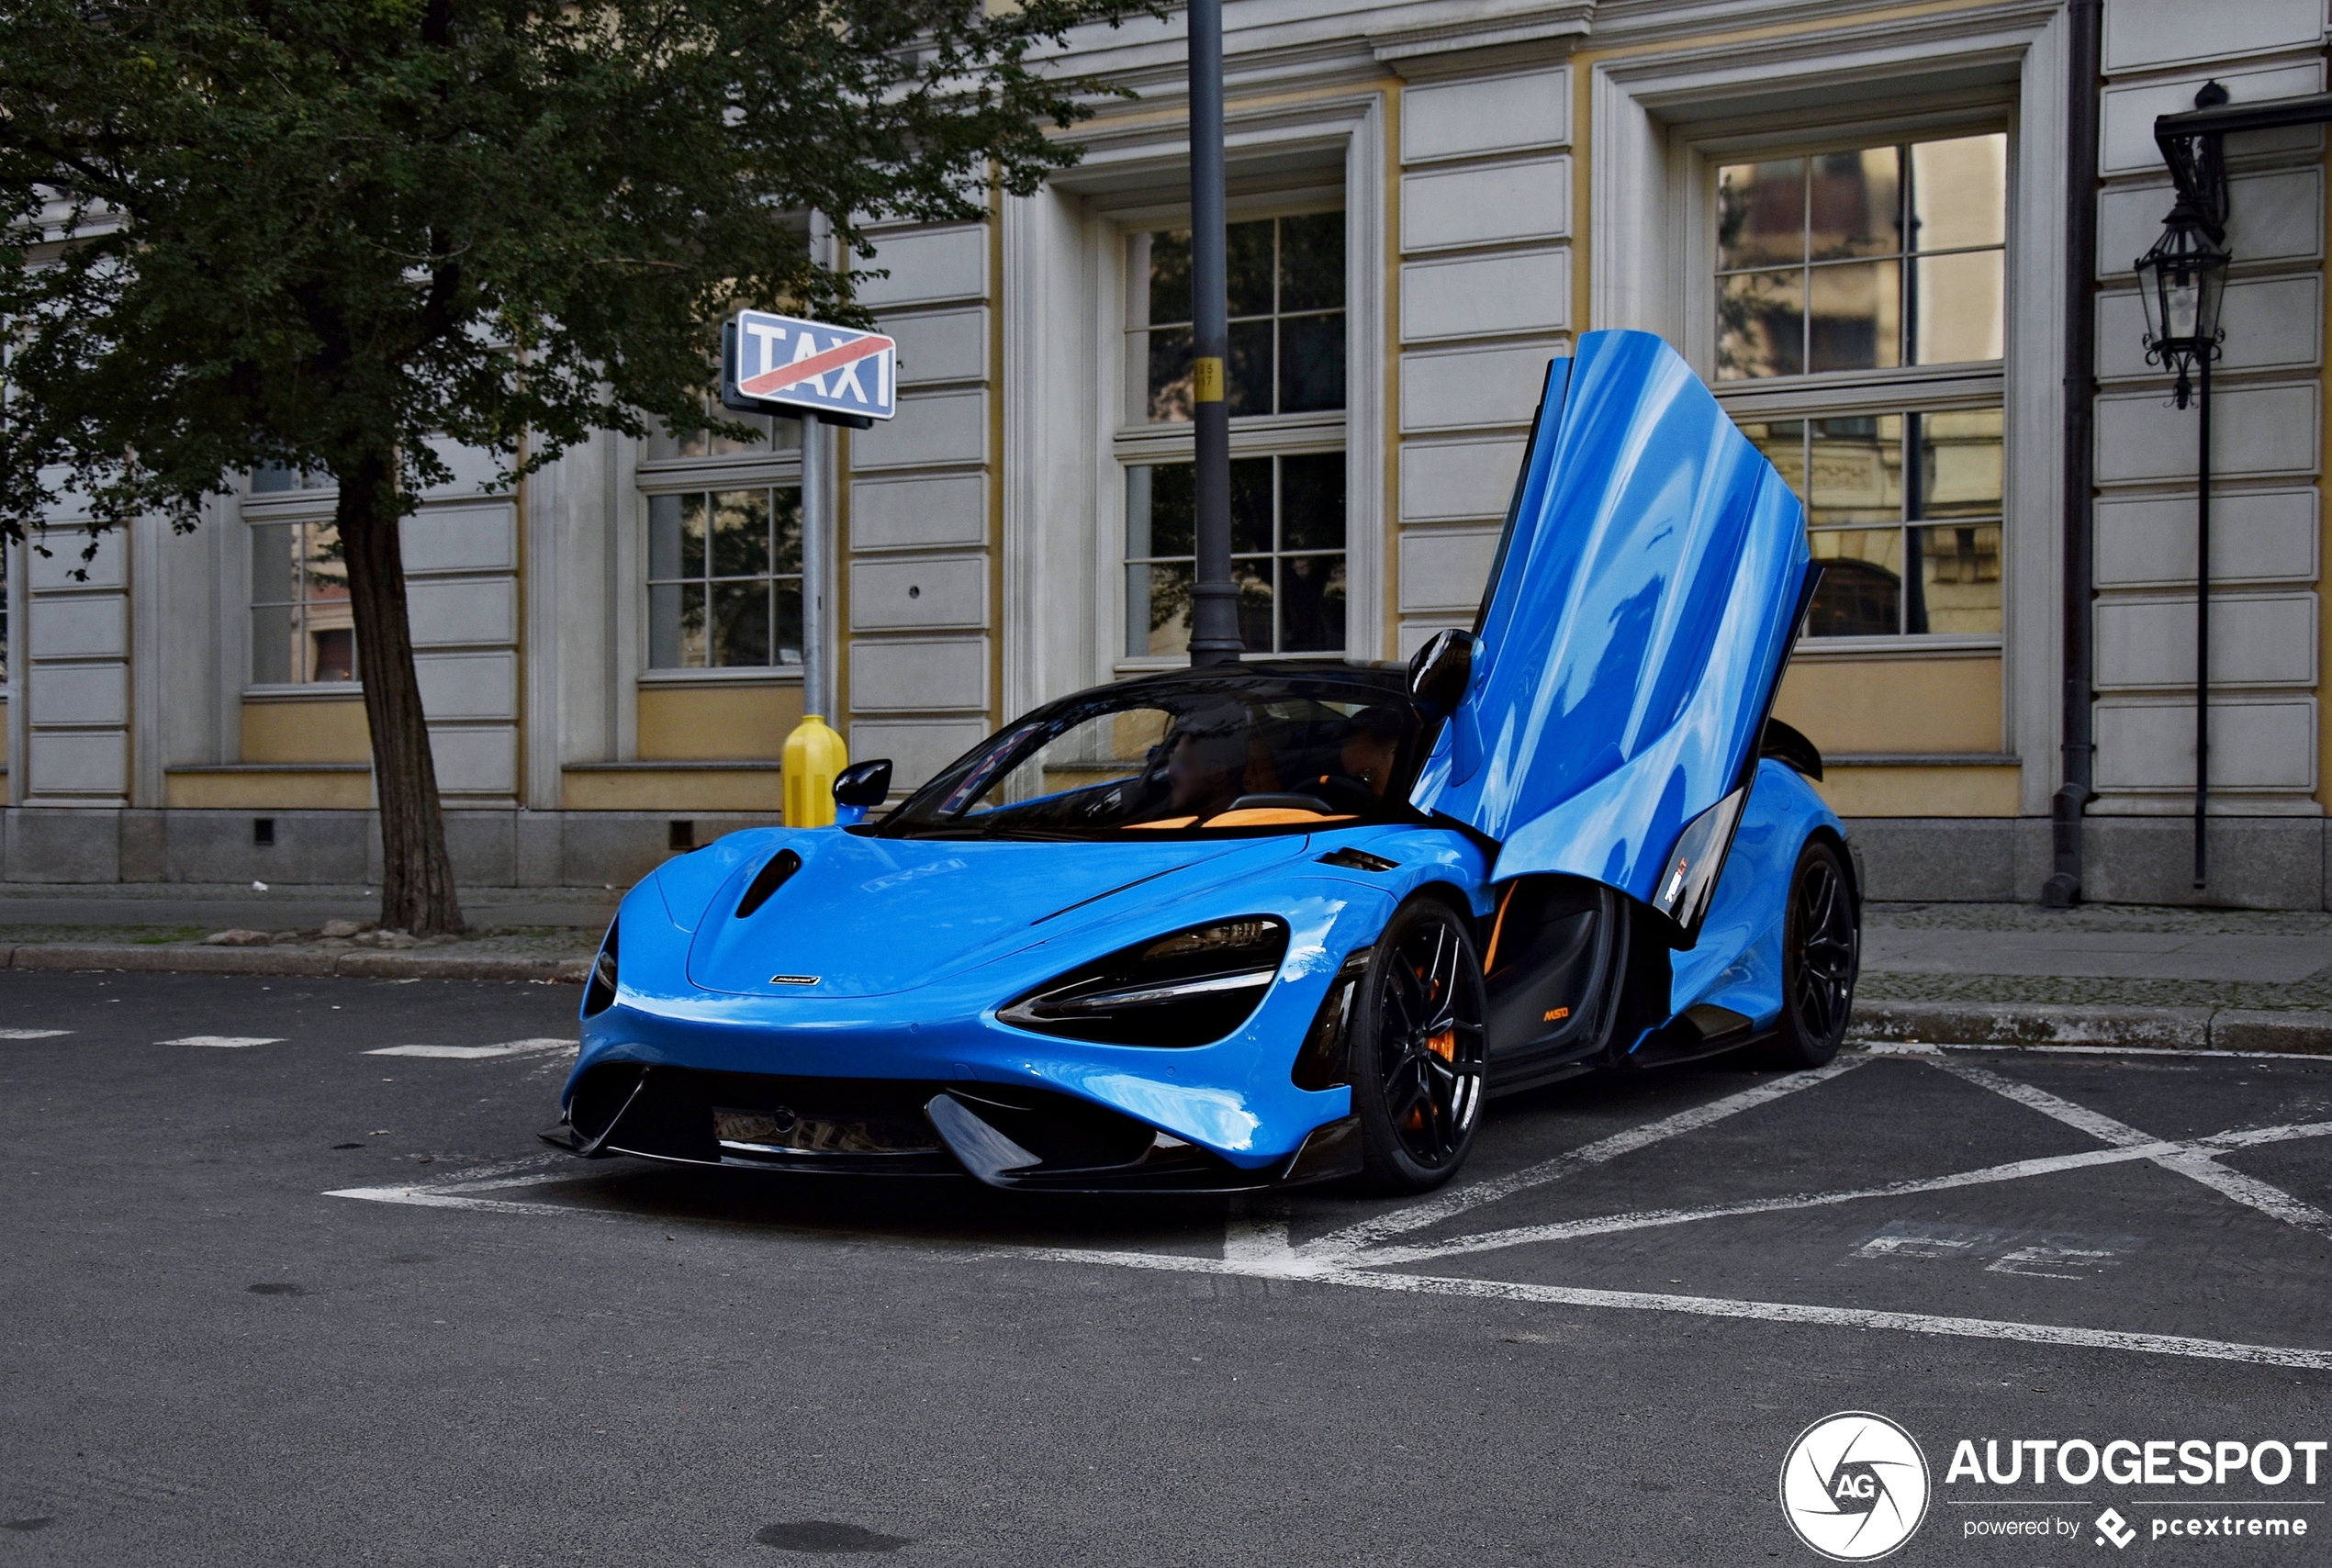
point(1864, 275)
point(778, 434)
point(1285, 284)
point(1866, 258)
point(725, 578)
point(303, 629)
point(1285, 386)
point(276, 479)
point(1903, 513)
point(1287, 555)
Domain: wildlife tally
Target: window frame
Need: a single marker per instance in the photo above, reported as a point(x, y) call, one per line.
point(649, 494)
point(271, 509)
point(771, 468)
point(1938, 388)
point(1130, 444)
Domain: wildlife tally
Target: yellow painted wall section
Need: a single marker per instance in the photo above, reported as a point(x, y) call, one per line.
point(287, 791)
point(677, 791)
point(331, 730)
point(713, 723)
point(1895, 705)
point(1921, 792)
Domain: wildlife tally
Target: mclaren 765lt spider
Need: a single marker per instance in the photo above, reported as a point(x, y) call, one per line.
point(1275, 923)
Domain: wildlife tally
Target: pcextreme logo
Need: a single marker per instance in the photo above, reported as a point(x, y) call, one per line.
point(1854, 1486)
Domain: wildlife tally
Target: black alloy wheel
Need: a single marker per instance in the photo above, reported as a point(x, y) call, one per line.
point(1418, 1059)
point(1820, 954)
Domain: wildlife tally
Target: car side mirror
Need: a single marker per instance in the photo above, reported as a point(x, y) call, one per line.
point(863, 784)
point(1440, 671)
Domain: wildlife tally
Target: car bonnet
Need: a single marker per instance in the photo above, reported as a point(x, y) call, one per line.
point(1634, 629)
point(867, 916)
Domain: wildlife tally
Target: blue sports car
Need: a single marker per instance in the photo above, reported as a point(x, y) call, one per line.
point(1230, 928)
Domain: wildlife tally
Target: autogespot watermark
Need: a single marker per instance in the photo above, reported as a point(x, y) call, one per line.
point(1855, 1485)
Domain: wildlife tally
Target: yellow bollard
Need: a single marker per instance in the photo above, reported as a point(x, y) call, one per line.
point(813, 755)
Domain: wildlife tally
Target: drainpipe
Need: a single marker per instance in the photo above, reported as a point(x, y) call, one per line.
point(2063, 889)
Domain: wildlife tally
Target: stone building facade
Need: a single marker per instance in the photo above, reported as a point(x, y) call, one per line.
point(1851, 217)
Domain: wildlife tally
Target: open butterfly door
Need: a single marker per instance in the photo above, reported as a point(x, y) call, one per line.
point(1649, 583)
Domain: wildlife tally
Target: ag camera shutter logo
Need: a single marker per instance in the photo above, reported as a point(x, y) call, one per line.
point(1854, 1486)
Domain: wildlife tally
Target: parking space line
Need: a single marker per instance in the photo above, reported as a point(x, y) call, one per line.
point(2188, 1161)
point(429, 1197)
point(1416, 1216)
point(1715, 1306)
point(225, 1042)
point(32, 1034)
point(2014, 1170)
point(539, 1046)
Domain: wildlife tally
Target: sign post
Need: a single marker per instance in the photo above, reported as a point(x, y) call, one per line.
point(817, 373)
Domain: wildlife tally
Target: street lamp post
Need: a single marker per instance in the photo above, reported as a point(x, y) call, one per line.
point(1215, 636)
point(2180, 281)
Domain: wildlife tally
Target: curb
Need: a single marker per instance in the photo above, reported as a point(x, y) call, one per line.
point(369, 965)
point(2049, 1024)
point(1929, 1023)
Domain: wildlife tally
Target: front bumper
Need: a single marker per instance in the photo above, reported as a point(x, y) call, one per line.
point(929, 1079)
point(1031, 1140)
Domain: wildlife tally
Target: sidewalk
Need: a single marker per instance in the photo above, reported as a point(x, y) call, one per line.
point(515, 933)
point(1953, 974)
point(2016, 974)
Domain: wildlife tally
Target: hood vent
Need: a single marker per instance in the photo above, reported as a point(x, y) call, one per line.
point(767, 880)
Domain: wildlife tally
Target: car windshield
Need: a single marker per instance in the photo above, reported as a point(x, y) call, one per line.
point(1236, 754)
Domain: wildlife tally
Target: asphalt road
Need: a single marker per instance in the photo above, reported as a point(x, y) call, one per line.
point(294, 1302)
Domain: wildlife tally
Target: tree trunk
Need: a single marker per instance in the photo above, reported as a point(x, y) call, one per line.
point(417, 891)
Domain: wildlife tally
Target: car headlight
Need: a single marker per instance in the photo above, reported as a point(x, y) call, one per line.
point(1189, 988)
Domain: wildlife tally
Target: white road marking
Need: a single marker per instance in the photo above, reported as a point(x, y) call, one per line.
point(1720, 1307)
point(32, 1034)
point(225, 1042)
point(1501, 1290)
point(1432, 1211)
point(438, 1198)
point(540, 1046)
point(1256, 1245)
point(2187, 1160)
point(2014, 1170)
point(1257, 1238)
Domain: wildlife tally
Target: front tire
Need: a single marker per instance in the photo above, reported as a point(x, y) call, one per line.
point(1821, 955)
point(1419, 1050)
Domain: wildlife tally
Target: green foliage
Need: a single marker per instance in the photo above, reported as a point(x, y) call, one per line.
point(316, 231)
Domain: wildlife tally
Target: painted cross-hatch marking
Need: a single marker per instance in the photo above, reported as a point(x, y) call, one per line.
point(1362, 1256)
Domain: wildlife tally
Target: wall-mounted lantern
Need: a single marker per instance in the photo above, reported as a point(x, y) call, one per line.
point(2181, 280)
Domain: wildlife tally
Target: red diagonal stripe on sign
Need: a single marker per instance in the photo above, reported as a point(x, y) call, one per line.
point(802, 370)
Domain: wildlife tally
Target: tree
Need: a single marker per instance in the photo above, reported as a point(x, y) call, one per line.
point(324, 233)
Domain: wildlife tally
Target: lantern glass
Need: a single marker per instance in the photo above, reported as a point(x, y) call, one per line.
point(2181, 282)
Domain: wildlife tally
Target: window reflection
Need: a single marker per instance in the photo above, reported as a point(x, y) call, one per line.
point(1287, 544)
point(1864, 259)
point(303, 627)
point(1285, 290)
point(1903, 511)
point(725, 578)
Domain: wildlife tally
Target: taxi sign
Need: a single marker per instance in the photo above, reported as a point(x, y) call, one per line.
point(773, 364)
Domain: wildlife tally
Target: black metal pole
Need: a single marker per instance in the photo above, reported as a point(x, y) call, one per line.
point(1215, 636)
point(2063, 886)
point(2203, 621)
